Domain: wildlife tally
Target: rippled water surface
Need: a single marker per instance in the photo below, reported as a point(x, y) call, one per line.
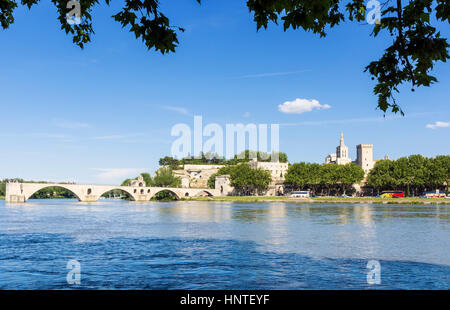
point(219, 245)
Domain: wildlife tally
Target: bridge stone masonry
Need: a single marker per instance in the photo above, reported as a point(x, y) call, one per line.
point(21, 192)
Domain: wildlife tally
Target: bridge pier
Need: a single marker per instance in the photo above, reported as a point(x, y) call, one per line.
point(14, 193)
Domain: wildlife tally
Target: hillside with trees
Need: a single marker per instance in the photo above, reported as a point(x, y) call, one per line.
point(214, 159)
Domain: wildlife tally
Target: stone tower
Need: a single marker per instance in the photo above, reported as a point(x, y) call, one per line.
point(342, 153)
point(364, 157)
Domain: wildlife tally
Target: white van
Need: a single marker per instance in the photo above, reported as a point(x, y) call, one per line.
point(303, 194)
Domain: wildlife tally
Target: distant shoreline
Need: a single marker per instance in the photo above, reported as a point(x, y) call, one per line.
point(355, 200)
point(372, 200)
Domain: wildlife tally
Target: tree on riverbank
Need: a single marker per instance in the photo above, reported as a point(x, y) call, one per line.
point(214, 159)
point(164, 177)
point(413, 174)
point(244, 179)
point(323, 179)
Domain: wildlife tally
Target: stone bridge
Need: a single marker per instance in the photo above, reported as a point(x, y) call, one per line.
point(21, 192)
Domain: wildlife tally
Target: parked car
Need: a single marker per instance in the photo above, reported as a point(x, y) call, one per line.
point(300, 194)
point(344, 196)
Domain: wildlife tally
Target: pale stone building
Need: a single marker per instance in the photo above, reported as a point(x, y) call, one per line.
point(139, 182)
point(364, 157)
point(341, 157)
point(277, 170)
point(196, 176)
point(222, 184)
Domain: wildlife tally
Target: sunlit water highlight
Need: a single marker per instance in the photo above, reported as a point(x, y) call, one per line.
point(221, 245)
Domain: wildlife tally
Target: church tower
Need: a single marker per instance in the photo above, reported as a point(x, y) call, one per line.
point(364, 157)
point(342, 152)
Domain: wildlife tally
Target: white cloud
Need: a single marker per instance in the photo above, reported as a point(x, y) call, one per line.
point(117, 137)
point(438, 125)
point(179, 110)
point(299, 106)
point(246, 114)
point(112, 137)
point(116, 175)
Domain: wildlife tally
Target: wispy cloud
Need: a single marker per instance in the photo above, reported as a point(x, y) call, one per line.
point(335, 121)
point(299, 106)
point(246, 114)
point(43, 135)
point(49, 135)
point(355, 120)
point(67, 124)
point(438, 125)
point(269, 74)
point(110, 137)
point(179, 110)
point(116, 175)
point(117, 136)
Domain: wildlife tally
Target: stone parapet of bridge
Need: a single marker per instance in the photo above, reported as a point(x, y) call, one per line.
point(21, 192)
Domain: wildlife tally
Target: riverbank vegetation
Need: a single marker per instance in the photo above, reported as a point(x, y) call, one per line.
point(358, 200)
point(414, 174)
point(244, 179)
point(214, 159)
point(328, 179)
point(164, 177)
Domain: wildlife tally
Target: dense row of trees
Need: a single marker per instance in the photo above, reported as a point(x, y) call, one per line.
point(414, 174)
point(323, 179)
point(244, 179)
point(214, 159)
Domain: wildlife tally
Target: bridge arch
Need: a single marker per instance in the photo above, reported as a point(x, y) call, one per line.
point(203, 193)
point(128, 192)
point(177, 195)
point(39, 188)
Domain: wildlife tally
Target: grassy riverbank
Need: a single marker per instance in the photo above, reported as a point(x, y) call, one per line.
point(407, 200)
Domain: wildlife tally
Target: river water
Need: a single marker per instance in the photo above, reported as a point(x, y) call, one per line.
point(222, 245)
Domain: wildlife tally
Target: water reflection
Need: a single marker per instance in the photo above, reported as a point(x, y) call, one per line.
point(368, 231)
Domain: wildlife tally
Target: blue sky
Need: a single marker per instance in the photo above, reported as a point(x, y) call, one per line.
point(104, 113)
